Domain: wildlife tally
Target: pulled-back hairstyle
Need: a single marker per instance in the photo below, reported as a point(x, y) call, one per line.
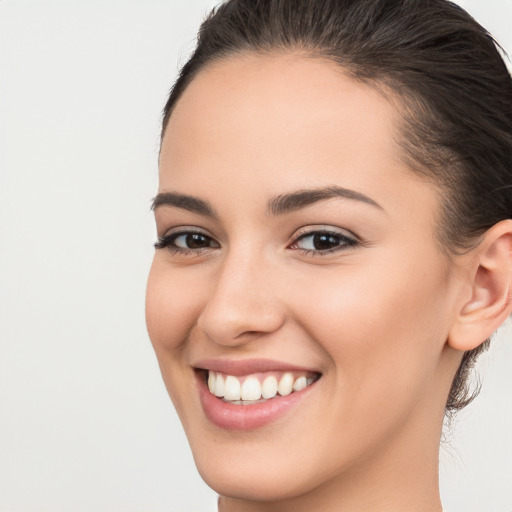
point(441, 68)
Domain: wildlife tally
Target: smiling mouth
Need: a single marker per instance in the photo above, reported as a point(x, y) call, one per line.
point(258, 387)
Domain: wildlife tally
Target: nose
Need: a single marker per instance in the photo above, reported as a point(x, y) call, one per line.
point(243, 303)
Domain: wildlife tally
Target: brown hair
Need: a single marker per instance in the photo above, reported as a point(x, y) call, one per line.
point(453, 89)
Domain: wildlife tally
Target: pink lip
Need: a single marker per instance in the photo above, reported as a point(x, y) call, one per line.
point(229, 416)
point(247, 366)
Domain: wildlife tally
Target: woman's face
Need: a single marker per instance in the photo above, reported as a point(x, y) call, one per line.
point(297, 249)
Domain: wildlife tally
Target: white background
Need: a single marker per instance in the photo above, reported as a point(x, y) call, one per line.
point(85, 422)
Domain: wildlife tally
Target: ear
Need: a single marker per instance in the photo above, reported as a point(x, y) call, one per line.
point(490, 276)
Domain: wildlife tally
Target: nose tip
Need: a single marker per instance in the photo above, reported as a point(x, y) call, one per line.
point(229, 327)
point(241, 308)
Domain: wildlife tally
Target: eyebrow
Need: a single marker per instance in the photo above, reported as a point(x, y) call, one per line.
point(284, 203)
point(185, 202)
point(287, 203)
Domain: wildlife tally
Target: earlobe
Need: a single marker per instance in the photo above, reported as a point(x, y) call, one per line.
point(491, 290)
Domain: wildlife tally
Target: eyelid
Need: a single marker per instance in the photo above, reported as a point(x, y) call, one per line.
point(165, 240)
point(186, 229)
point(323, 228)
point(347, 241)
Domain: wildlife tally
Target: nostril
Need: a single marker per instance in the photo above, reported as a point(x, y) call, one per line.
point(249, 333)
point(238, 311)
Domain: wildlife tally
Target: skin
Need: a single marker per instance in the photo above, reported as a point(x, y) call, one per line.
point(376, 318)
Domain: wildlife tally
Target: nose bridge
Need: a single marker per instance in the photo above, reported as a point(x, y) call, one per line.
point(243, 299)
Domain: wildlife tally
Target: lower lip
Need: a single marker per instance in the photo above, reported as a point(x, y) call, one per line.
point(246, 417)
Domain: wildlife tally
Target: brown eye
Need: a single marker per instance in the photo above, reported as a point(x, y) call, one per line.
point(192, 241)
point(186, 242)
point(323, 242)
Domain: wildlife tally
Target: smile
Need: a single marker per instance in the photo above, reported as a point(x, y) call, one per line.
point(246, 395)
point(258, 387)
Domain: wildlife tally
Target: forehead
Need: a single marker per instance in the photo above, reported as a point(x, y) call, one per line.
point(282, 98)
point(286, 121)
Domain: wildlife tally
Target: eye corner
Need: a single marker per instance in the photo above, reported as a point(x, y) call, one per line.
point(186, 241)
point(323, 240)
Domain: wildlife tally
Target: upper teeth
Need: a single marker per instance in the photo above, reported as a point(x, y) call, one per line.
point(255, 387)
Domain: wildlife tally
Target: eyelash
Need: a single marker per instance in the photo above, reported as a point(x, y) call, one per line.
point(168, 241)
point(344, 242)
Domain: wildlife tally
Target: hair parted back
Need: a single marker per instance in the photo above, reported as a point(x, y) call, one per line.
point(443, 70)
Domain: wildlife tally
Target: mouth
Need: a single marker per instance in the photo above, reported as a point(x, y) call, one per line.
point(247, 395)
point(257, 387)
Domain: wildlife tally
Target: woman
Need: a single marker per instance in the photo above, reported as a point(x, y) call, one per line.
point(334, 221)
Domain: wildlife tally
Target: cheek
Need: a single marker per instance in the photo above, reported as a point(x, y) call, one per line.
point(173, 300)
point(382, 325)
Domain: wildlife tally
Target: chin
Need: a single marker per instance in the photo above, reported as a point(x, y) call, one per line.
point(264, 467)
point(253, 484)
